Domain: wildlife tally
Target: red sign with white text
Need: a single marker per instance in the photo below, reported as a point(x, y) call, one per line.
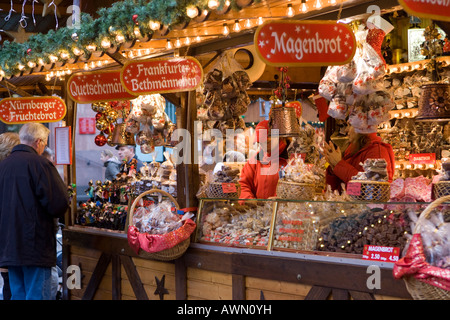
point(422, 158)
point(32, 109)
point(431, 9)
point(162, 75)
point(380, 253)
point(99, 86)
point(305, 43)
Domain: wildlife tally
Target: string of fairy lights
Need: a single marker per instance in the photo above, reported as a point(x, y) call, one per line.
point(160, 42)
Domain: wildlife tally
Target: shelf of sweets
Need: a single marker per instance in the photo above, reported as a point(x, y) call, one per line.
point(414, 66)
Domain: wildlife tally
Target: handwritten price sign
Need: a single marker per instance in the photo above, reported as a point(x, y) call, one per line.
point(305, 43)
point(380, 253)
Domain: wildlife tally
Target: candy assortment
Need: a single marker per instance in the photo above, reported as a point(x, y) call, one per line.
point(374, 170)
point(298, 171)
point(435, 234)
point(158, 218)
point(370, 227)
point(307, 143)
point(236, 225)
point(295, 229)
point(356, 91)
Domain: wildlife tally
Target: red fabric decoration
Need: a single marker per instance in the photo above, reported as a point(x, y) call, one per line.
point(414, 264)
point(322, 107)
point(158, 242)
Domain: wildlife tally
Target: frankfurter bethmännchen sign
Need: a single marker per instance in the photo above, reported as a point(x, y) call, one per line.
point(431, 9)
point(97, 86)
point(32, 109)
point(305, 43)
point(162, 75)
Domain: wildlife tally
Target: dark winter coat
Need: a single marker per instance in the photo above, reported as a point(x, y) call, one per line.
point(32, 194)
point(112, 169)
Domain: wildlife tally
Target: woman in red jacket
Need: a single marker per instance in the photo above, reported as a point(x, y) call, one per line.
point(259, 177)
point(362, 146)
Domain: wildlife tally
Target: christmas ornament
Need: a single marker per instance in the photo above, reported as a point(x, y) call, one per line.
point(135, 19)
point(98, 116)
point(102, 125)
point(75, 36)
point(112, 115)
point(100, 140)
point(109, 129)
point(29, 51)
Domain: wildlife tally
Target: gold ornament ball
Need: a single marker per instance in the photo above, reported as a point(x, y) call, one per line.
point(112, 115)
point(104, 107)
point(95, 107)
point(102, 124)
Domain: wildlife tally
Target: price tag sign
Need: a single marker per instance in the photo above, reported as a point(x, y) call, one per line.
point(380, 253)
point(354, 188)
point(229, 187)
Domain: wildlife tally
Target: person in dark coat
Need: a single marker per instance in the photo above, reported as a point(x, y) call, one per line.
point(32, 194)
point(111, 163)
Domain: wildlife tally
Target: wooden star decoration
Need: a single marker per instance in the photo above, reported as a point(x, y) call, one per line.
point(160, 287)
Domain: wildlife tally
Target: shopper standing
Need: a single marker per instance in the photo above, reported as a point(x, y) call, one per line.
point(8, 140)
point(32, 194)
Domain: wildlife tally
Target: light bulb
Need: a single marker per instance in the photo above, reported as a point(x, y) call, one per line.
point(120, 38)
point(318, 4)
point(137, 32)
point(198, 39)
point(226, 30)
point(47, 77)
point(248, 24)
point(303, 7)
point(177, 43)
point(77, 51)
point(131, 54)
point(332, 2)
point(53, 58)
point(154, 25)
point(187, 41)
point(290, 10)
point(86, 66)
point(91, 47)
point(20, 66)
point(92, 65)
point(236, 26)
point(213, 4)
point(64, 55)
point(169, 45)
point(31, 64)
point(192, 11)
point(68, 71)
point(260, 21)
point(105, 43)
point(41, 61)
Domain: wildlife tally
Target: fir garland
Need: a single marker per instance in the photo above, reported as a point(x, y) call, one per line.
point(117, 19)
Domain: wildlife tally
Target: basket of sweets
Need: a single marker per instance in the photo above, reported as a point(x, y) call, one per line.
point(224, 184)
point(425, 268)
point(370, 185)
point(156, 232)
point(442, 187)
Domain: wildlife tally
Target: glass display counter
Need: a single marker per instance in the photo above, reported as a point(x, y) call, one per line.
point(298, 226)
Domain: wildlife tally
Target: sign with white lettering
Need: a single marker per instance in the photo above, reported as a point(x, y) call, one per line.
point(162, 75)
point(431, 9)
point(305, 43)
point(422, 158)
point(381, 253)
point(99, 86)
point(32, 109)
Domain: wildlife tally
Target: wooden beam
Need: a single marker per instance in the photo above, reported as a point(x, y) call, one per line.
point(238, 287)
point(96, 276)
point(118, 57)
point(318, 293)
point(180, 279)
point(116, 278)
point(14, 88)
point(133, 277)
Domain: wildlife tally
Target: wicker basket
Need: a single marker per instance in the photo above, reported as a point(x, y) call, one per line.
point(372, 191)
point(418, 289)
point(167, 254)
point(215, 190)
point(441, 189)
point(295, 190)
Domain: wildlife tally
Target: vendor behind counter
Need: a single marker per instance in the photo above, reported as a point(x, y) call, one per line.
point(343, 166)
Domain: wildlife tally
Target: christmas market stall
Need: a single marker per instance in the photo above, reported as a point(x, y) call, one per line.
point(183, 100)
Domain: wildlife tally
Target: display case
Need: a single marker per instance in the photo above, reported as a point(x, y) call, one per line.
point(321, 227)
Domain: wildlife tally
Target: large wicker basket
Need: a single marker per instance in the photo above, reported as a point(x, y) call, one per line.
point(295, 190)
point(167, 254)
point(372, 191)
point(215, 190)
point(441, 189)
point(420, 290)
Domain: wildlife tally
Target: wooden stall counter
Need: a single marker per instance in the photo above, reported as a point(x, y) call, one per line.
point(110, 270)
